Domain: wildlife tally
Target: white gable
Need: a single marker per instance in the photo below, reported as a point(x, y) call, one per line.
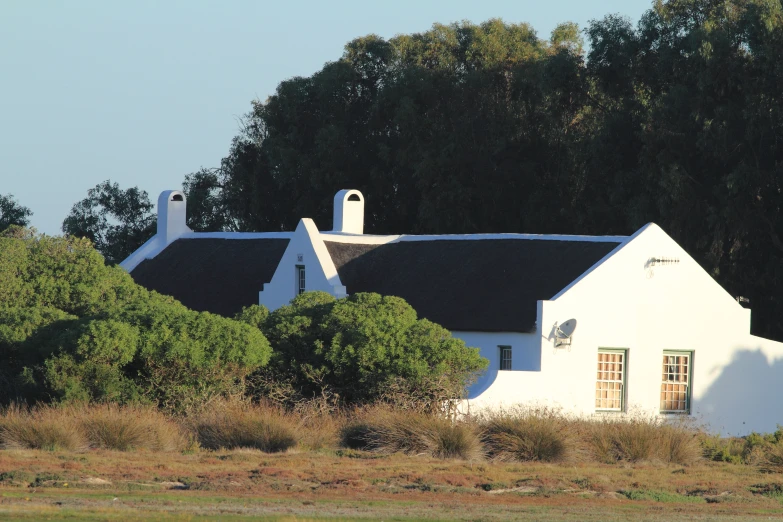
point(306, 249)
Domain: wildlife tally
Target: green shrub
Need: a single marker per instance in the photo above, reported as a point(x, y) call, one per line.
point(659, 496)
point(361, 347)
point(80, 331)
point(757, 449)
point(188, 358)
point(254, 315)
point(723, 449)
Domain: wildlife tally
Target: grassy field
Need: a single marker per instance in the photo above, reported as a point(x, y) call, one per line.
point(351, 485)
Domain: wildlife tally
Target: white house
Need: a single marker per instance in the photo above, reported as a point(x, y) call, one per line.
point(588, 323)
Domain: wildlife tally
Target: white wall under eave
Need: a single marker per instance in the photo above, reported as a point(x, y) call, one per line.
point(306, 248)
point(498, 388)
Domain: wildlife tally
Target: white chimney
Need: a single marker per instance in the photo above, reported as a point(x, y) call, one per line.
point(349, 212)
point(171, 215)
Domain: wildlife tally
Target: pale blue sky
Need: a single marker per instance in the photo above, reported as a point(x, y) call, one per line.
point(144, 92)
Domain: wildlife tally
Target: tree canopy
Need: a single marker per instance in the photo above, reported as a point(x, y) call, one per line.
point(119, 221)
point(116, 221)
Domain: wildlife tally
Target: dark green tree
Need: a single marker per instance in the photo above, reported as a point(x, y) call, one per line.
point(12, 213)
point(206, 206)
point(117, 221)
point(457, 129)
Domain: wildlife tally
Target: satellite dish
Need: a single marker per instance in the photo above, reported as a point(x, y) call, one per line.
point(564, 332)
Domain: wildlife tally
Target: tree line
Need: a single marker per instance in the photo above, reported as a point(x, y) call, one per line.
point(470, 128)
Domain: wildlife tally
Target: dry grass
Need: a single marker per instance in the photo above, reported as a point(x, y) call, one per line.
point(639, 438)
point(529, 434)
point(623, 439)
point(513, 435)
point(680, 444)
point(319, 431)
point(385, 430)
point(318, 423)
point(130, 427)
point(45, 427)
point(233, 424)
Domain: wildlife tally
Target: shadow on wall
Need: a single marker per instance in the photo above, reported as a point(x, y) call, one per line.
point(745, 397)
point(483, 383)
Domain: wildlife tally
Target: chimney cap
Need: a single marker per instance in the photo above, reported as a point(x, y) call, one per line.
point(348, 212)
point(172, 206)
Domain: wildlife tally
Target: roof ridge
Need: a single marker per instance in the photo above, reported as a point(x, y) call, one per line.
point(237, 235)
point(371, 239)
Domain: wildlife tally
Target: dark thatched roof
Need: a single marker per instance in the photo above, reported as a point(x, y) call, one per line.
point(213, 275)
point(486, 285)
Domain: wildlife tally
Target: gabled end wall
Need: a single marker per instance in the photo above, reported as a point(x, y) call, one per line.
point(306, 249)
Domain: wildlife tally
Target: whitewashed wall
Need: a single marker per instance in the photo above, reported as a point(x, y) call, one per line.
point(504, 388)
point(625, 303)
point(307, 249)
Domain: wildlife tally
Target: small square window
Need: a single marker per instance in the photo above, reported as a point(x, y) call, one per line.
point(505, 357)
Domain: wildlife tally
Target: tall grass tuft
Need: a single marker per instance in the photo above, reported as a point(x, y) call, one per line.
point(638, 438)
point(529, 434)
point(635, 438)
point(44, 427)
point(130, 427)
point(680, 444)
point(385, 430)
point(317, 430)
point(233, 424)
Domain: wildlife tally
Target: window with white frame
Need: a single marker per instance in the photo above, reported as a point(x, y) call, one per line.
point(300, 279)
point(676, 382)
point(505, 357)
point(610, 380)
